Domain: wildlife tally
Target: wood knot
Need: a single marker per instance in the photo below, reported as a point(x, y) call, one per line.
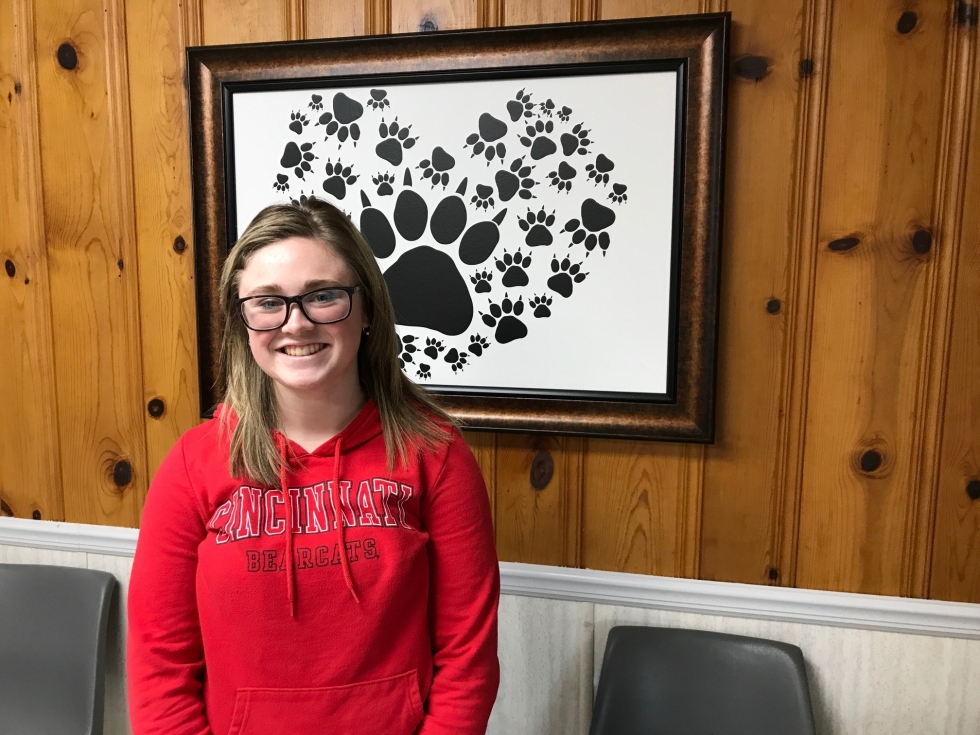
point(751, 67)
point(428, 25)
point(179, 245)
point(907, 22)
point(973, 489)
point(773, 573)
point(773, 305)
point(870, 461)
point(122, 473)
point(67, 56)
point(843, 244)
point(156, 407)
point(119, 264)
point(921, 241)
point(966, 14)
point(542, 469)
point(36, 514)
point(806, 67)
point(8, 265)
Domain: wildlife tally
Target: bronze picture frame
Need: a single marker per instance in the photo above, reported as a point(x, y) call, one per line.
point(696, 47)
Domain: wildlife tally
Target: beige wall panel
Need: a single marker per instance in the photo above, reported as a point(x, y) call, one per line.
point(410, 16)
point(883, 128)
point(246, 21)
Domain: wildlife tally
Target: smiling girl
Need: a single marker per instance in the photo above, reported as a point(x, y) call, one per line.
point(319, 557)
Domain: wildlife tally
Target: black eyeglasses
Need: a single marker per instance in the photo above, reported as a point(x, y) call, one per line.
point(322, 306)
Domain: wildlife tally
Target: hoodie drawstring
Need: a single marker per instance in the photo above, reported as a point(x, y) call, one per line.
point(341, 526)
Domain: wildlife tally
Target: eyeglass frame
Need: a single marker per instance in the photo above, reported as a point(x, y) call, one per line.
point(298, 300)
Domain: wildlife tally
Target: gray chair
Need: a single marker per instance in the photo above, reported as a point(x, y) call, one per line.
point(53, 623)
point(666, 681)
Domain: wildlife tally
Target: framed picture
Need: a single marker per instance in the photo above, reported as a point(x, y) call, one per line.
point(544, 202)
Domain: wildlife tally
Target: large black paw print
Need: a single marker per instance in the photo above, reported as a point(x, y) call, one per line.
point(395, 139)
point(339, 177)
point(316, 103)
point(595, 218)
point(562, 178)
point(505, 318)
point(514, 267)
point(297, 121)
point(433, 347)
point(376, 229)
point(384, 181)
point(424, 372)
point(437, 167)
point(378, 99)
point(540, 305)
point(618, 194)
point(520, 106)
point(342, 121)
point(576, 141)
point(490, 129)
point(599, 171)
point(408, 349)
point(537, 139)
point(515, 181)
point(536, 225)
point(477, 345)
point(567, 274)
point(281, 183)
point(481, 281)
point(456, 359)
point(483, 199)
point(298, 158)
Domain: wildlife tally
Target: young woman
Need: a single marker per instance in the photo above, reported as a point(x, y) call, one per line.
point(319, 557)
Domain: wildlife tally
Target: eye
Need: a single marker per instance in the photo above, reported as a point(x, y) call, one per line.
point(327, 296)
point(268, 304)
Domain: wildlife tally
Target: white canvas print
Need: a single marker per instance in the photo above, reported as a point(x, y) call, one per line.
point(525, 226)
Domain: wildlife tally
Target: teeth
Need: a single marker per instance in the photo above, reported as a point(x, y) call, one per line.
point(296, 351)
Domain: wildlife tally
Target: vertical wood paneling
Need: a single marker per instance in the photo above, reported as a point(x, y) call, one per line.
point(538, 525)
point(741, 494)
point(879, 173)
point(526, 12)
point(161, 173)
point(409, 16)
point(612, 9)
point(335, 18)
point(88, 211)
point(29, 451)
point(484, 446)
point(247, 21)
point(955, 564)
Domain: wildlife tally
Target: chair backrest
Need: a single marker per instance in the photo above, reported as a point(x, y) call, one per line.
point(53, 623)
point(668, 681)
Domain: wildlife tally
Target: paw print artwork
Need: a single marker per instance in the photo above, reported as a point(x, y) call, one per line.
point(565, 114)
point(483, 199)
point(316, 103)
point(436, 167)
point(536, 225)
point(520, 106)
point(477, 345)
point(514, 267)
point(341, 122)
point(297, 121)
point(599, 171)
point(541, 305)
point(562, 178)
point(433, 347)
point(567, 274)
point(408, 349)
point(395, 139)
point(298, 157)
point(281, 183)
point(538, 141)
point(490, 130)
point(505, 318)
point(456, 359)
point(339, 177)
point(424, 372)
point(515, 180)
point(481, 281)
point(378, 99)
point(384, 181)
point(618, 194)
point(576, 141)
point(546, 108)
point(595, 218)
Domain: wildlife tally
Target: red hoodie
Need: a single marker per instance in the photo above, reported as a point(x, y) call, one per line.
point(407, 643)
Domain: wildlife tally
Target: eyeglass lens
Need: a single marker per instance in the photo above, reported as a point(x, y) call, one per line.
point(322, 307)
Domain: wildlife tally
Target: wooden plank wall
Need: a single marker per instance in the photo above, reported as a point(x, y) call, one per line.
point(848, 452)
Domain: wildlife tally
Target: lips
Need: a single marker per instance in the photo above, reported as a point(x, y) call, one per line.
point(302, 350)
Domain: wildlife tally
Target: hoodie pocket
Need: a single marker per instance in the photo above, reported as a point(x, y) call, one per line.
point(391, 706)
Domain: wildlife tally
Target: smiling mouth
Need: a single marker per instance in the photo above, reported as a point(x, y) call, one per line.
point(302, 350)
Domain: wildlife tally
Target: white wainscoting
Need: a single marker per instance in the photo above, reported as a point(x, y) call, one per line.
point(876, 664)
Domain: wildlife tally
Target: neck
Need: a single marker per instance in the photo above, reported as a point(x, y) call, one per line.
point(310, 419)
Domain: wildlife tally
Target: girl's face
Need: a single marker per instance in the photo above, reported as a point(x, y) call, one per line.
point(301, 356)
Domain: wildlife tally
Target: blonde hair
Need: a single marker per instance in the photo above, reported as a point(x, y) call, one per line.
point(410, 420)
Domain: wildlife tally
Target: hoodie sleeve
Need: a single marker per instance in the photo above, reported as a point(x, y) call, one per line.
point(164, 653)
point(464, 592)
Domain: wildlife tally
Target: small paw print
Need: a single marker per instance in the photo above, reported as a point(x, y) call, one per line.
point(595, 218)
point(505, 318)
point(599, 171)
point(536, 225)
point(537, 139)
point(424, 372)
point(483, 199)
point(540, 305)
point(378, 99)
point(316, 102)
point(339, 177)
point(340, 122)
point(281, 183)
point(299, 158)
point(618, 194)
point(546, 108)
point(562, 178)
point(297, 121)
point(576, 141)
point(567, 274)
point(433, 347)
point(565, 114)
point(437, 167)
point(477, 345)
point(490, 129)
point(456, 359)
point(384, 181)
point(395, 139)
point(520, 106)
point(514, 267)
point(515, 181)
point(408, 348)
point(481, 281)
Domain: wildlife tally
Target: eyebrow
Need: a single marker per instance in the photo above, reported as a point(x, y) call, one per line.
point(272, 288)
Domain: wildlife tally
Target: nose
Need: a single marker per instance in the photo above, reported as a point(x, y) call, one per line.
point(296, 320)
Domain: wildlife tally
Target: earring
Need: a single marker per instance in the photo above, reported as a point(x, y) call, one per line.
point(366, 331)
